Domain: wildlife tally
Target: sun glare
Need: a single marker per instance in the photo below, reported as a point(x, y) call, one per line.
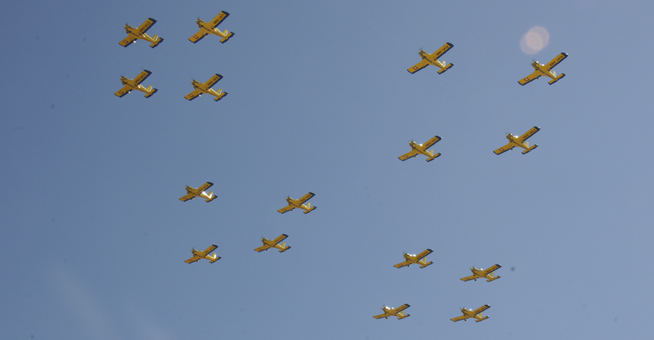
point(535, 40)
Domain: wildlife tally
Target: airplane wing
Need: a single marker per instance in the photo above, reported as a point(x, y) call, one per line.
point(127, 41)
point(141, 77)
point(559, 58)
point(408, 155)
point(504, 149)
point(529, 78)
point(468, 278)
point(213, 80)
point(529, 133)
point(379, 316)
point(281, 238)
point(187, 197)
point(205, 186)
point(146, 25)
point(210, 249)
point(192, 259)
point(481, 309)
point(196, 93)
point(285, 209)
point(195, 38)
point(401, 308)
point(491, 269)
point(306, 197)
point(417, 67)
point(262, 248)
point(424, 253)
point(431, 142)
point(219, 18)
point(123, 91)
point(441, 51)
point(402, 264)
point(458, 318)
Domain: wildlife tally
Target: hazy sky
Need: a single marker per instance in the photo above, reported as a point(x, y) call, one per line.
point(94, 236)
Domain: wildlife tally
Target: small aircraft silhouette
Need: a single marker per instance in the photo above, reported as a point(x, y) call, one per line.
point(432, 59)
point(481, 273)
point(415, 259)
point(135, 84)
point(390, 311)
point(298, 203)
point(198, 255)
point(192, 193)
point(267, 244)
point(210, 28)
point(139, 33)
point(472, 314)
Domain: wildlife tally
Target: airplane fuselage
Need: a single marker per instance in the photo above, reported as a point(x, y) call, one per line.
point(434, 62)
point(135, 31)
point(542, 69)
point(515, 140)
point(204, 88)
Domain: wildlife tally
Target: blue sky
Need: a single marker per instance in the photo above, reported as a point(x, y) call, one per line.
point(94, 235)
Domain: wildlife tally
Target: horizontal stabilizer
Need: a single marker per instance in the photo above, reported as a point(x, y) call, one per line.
point(426, 264)
point(557, 78)
point(530, 148)
point(433, 157)
point(445, 68)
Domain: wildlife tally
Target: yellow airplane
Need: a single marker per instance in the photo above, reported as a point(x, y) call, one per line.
point(139, 33)
point(267, 244)
point(519, 141)
point(390, 311)
point(292, 204)
point(415, 259)
point(479, 273)
point(197, 255)
point(192, 193)
point(545, 70)
point(135, 84)
point(210, 28)
point(201, 88)
point(472, 314)
point(422, 149)
point(432, 59)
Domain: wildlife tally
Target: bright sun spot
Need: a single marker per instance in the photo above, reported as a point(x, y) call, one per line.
point(534, 40)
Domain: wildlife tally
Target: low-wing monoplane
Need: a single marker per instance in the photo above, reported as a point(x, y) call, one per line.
point(432, 59)
point(135, 84)
point(390, 311)
point(298, 203)
point(520, 141)
point(192, 193)
point(201, 88)
point(481, 273)
point(139, 33)
point(210, 28)
point(198, 255)
point(415, 259)
point(472, 314)
point(267, 244)
point(545, 70)
point(422, 149)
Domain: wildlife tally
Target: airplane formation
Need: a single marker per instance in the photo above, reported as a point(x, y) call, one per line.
point(427, 59)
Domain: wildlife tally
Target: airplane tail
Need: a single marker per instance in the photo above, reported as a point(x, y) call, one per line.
point(213, 258)
point(482, 319)
point(445, 68)
point(151, 91)
point(284, 247)
point(156, 42)
point(220, 95)
point(434, 156)
point(211, 197)
point(529, 149)
point(310, 208)
point(492, 278)
point(400, 317)
point(557, 78)
point(426, 264)
point(227, 36)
